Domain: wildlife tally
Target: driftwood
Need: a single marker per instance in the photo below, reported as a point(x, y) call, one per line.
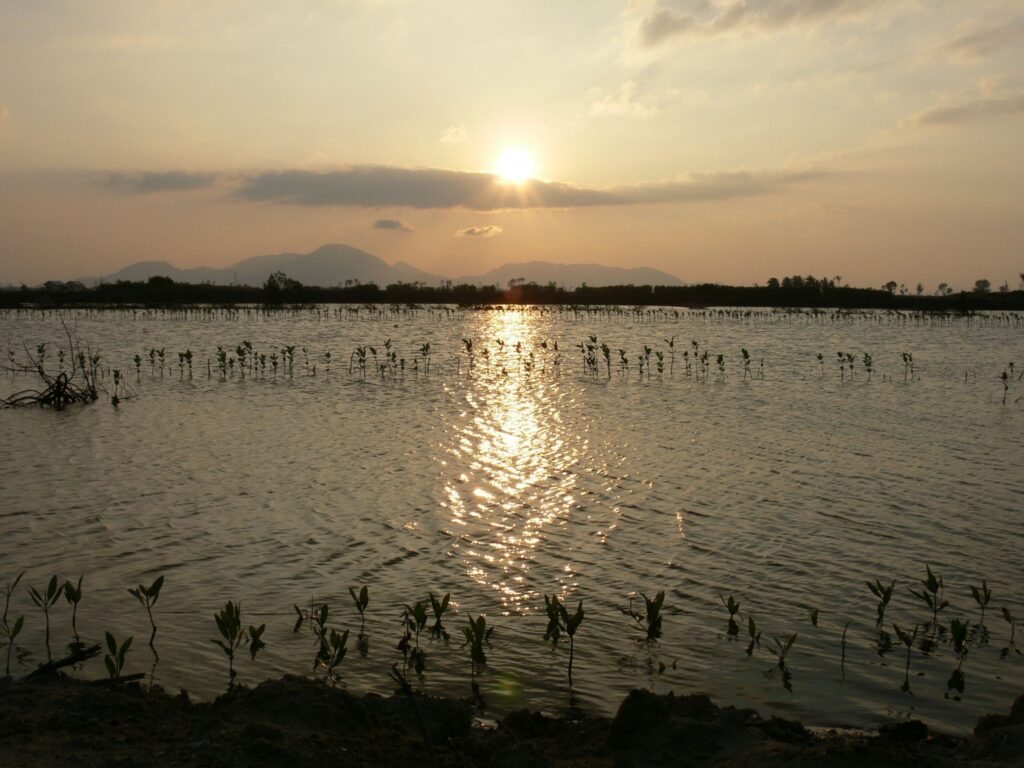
point(82, 654)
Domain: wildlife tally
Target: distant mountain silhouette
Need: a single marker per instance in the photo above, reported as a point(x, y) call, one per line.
point(328, 265)
point(571, 275)
point(332, 265)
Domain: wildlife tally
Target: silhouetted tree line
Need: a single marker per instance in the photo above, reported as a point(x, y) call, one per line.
point(279, 290)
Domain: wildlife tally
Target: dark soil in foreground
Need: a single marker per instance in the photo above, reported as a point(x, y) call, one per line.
point(297, 722)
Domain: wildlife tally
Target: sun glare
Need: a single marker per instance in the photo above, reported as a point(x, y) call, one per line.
point(515, 165)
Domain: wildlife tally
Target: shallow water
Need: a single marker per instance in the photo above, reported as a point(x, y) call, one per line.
point(787, 490)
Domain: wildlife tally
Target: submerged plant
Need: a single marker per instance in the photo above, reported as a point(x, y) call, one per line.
point(959, 632)
point(46, 600)
point(147, 597)
point(114, 659)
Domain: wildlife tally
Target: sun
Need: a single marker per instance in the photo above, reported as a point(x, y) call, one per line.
point(515, 165)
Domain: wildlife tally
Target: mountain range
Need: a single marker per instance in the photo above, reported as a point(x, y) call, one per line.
point(335, 264)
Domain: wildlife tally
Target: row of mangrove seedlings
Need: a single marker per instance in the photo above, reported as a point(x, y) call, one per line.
point(423, 622)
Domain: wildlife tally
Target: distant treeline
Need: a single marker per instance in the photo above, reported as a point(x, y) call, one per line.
point(281, 290)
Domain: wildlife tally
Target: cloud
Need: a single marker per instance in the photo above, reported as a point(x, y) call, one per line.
point(980, 44)
point(968, 112)
point(371, 186)
point(454, 134)
point(717, 17)
point(4, 114)
point(623, 103)
point(157, 181)
point(489, 230)
point(393, 225)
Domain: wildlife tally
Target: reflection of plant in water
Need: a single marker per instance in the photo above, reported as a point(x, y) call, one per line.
point(733, 608)
point(361, 600)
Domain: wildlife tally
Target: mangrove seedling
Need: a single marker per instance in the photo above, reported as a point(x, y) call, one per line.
point(884, 595)
point(414, 621)
point(10, 632)
point(553, 609)
point(651, 621)
point(334, 652)
point(982, 597)
point(45, 600)
point(437, 631)
point(1007, 617)
point(733, 608)
point(233, 636)
point(908, 639)
point(114, 659)
point(147, 597)
point(73, 594)
point(959, 632)
point(781, 650)
point(755, 635)
point(932, 595)
point(477, 635)
point(569, 625)
point(361, 601)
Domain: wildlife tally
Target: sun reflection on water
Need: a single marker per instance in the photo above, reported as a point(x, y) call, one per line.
point(519, 488)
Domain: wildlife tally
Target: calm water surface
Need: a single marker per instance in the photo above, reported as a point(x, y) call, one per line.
point(786, 490)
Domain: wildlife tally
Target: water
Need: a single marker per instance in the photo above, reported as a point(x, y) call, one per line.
point(787, 491)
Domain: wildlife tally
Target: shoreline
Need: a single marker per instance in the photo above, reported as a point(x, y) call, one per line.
point(55, 720)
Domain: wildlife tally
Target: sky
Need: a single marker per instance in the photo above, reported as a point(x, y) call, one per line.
point(718, 140)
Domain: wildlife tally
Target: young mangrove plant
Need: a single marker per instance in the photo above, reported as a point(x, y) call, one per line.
point(414, 621)
point(333, 653)
point(10, 632)
point(570, 624)
point(959, 631)
point(650, 622)
point(361, 600)
point(733, 608)
point(114, 659)
point(233, 636)
point(783, 645)
point(477, 635)
point(73, 594)
point(553, 609)
point(982, 596)
point(932, 595)
point(908, 639)
point(437, 631)
point(884, 595)
point(1007, 617)
point(147, 597)
point(755, 636)
point(46, 600)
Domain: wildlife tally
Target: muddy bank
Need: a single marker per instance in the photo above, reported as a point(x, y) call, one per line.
point(297, 722)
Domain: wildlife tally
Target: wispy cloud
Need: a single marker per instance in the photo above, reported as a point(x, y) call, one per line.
point(489, 230)
point(968, 112)
point(372, 186)
point(982, 43)
point(712, 18)
point(392, 225)
point(454, 134)
point(622, 103)
point(157, 181)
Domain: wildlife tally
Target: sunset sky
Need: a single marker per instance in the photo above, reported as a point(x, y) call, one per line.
point(719, 140)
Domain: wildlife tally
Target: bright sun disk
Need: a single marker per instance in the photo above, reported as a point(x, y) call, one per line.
point(515, 165)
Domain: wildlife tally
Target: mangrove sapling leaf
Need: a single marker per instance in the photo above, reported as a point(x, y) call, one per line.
point(256, 643)
point(437, 631)
point(908, 639)
point(734, 608)
point(45, 600)
point(114, 659)
point(884, 595)
point(73, 594)
point(982, 597)
point(232, 635)
point(147, 597)
point(361, 601)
